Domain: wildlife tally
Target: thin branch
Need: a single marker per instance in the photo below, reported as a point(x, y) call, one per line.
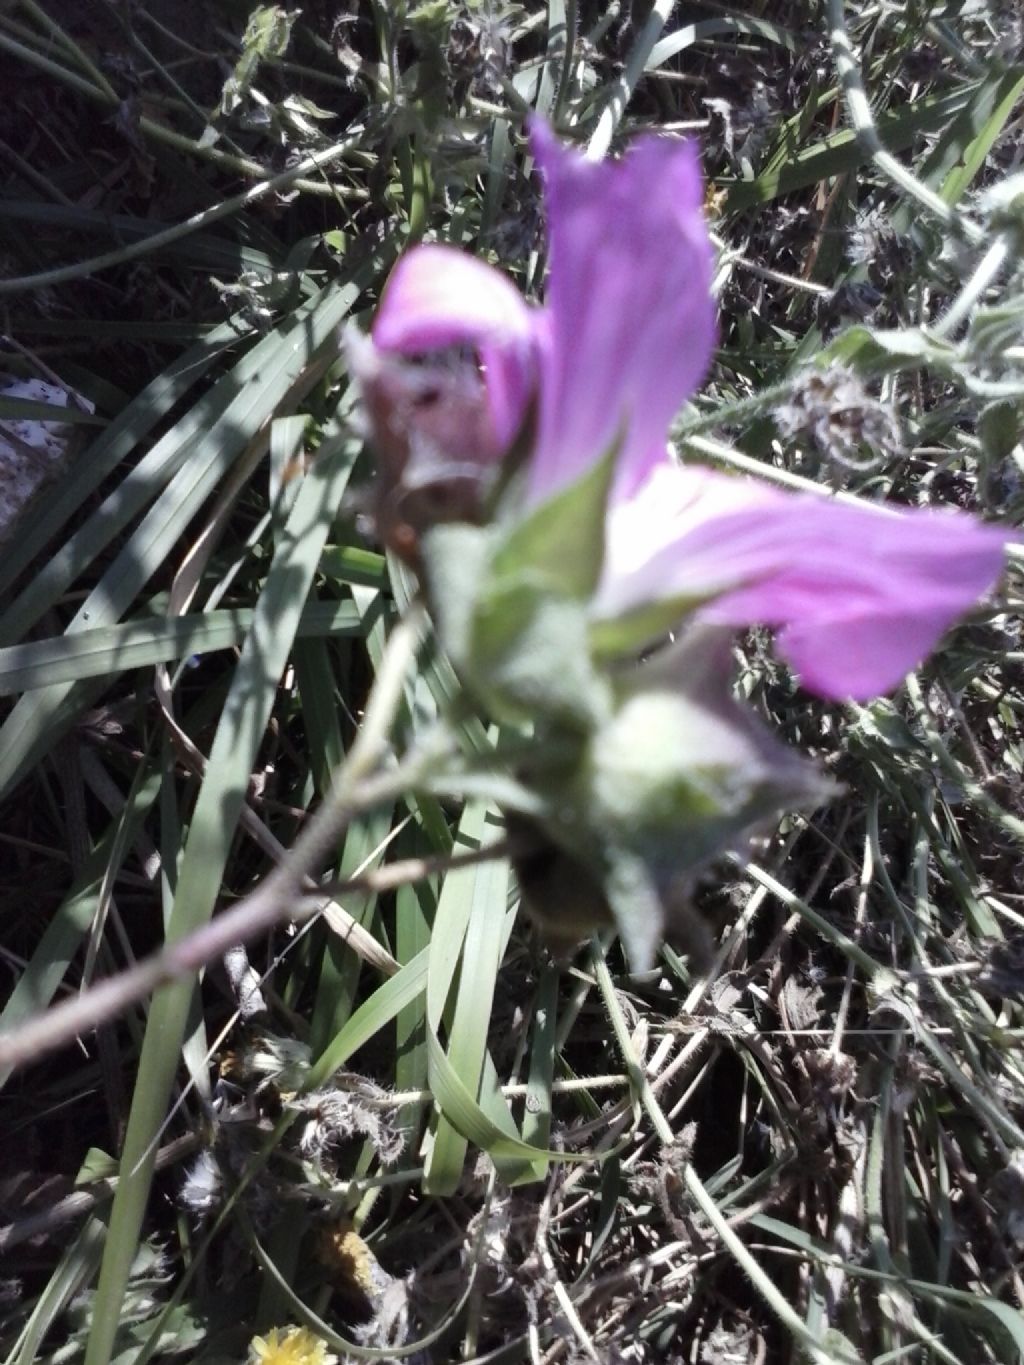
point(401, 873)
point(130, 252)
point(357, 787)
point(105, 94)
point(858, 106)
point(78, 1202)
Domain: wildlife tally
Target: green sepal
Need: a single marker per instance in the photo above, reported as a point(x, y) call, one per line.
point(676, 774)
point(680, 774)
point(519, 646)
point(509, 602)
point(683, 769)
point(625, 636)
point(530, 656)
point(573, 882)
point(562, 540)
point(682, 782)
point(637, 904)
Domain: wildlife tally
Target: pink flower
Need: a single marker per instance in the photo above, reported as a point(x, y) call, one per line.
point(859, 596)
point(628, 327)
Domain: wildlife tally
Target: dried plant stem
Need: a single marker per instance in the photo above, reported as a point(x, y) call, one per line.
point(859, 109)
point(720, 453)
point(410, 870)
point(876, 973)
point(867, 874)
point(79, 1202)
point(102, 92)
point(44, 279)
point(268, 905)
point(973, 790)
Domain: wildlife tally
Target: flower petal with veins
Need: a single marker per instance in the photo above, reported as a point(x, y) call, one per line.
point(859, 595)
point(628, 326)
point(625, 335)
point(631, 320)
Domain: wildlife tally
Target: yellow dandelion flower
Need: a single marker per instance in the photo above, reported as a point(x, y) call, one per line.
point(290, 1346)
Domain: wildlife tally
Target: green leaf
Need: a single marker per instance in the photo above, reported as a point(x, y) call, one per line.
point(69, 924)
point(843, 151)
point(96, 463)
point(961, 152)
point(999, 427)
point(688, 34)
point(206, 250)
point(373, 1015)
point(239, 734)
point(877, 351)
point(1002, 1317)
point(353, 564)
point(543, 1049)
point(28, 409)
point(994, 328)
point(1006, 1319)
point(138, 644)
point(267, 34)
point(97, 1165)
point(467, 930)
point(198, 452)
point(73, 1271)
point(470, 931)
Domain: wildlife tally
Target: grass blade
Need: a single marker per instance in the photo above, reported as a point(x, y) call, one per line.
point(206, 850)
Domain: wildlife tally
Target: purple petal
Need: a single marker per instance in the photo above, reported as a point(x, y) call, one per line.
point(437, 297)
point(631, 322)
point(859, 596)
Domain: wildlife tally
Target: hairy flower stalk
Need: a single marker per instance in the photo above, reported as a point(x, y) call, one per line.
point(525, 472)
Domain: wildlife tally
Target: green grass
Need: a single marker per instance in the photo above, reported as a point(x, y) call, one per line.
point(813, 1150)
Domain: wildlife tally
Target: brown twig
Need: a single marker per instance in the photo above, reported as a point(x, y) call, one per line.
point(272, 901)
point(79, 1202)
point(360, 785)
point(378, 879)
